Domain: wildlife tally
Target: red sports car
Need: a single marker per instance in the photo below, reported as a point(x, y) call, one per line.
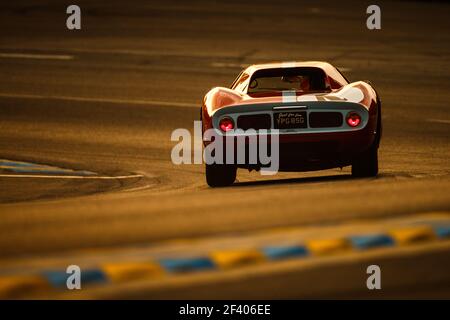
point(321, 120)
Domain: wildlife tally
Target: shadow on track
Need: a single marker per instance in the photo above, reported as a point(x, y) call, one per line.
point(328, 178)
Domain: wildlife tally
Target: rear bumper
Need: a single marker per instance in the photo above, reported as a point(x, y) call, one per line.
point(311, 151)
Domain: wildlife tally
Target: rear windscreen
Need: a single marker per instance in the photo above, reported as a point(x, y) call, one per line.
point(304, 79)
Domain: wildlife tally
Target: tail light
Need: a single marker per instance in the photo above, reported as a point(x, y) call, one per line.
point(226, 124)
point(353, 119)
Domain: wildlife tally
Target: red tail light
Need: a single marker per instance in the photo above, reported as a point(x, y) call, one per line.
point(353, 119)
point(226, 124)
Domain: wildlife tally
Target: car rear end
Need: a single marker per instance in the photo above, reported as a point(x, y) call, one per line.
point(312, 135)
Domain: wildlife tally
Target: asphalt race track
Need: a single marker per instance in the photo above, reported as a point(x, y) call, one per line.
point(106, 98)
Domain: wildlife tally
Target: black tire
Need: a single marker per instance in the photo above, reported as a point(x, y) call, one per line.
point(366, 164)
point(220, 175)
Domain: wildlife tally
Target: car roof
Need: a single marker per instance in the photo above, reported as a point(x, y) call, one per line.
point(289, 64)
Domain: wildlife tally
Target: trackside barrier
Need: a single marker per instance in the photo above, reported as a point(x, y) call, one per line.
point(12, 286)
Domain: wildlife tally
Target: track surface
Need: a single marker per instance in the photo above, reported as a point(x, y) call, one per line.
point(106, 99)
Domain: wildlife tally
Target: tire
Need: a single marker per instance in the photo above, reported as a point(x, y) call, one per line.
point(220, 175)
point(366, 164)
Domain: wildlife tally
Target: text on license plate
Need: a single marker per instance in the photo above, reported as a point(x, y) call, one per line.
point(289, 120)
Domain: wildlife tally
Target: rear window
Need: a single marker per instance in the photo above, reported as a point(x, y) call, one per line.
point(303, 79)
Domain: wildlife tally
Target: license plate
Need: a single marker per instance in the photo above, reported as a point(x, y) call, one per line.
point(290, 120)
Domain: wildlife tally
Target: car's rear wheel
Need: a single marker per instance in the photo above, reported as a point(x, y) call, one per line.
point(366, 164)
point(220, 175)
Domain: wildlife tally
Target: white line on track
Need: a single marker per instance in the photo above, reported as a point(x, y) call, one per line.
point(228, 65)
point(137, 188)
point(148, 53)
point(70, 177)
point(439, 121)
point(36, 56)
point(106, 100)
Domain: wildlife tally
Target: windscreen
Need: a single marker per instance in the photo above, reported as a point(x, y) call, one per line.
point(303, 79)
